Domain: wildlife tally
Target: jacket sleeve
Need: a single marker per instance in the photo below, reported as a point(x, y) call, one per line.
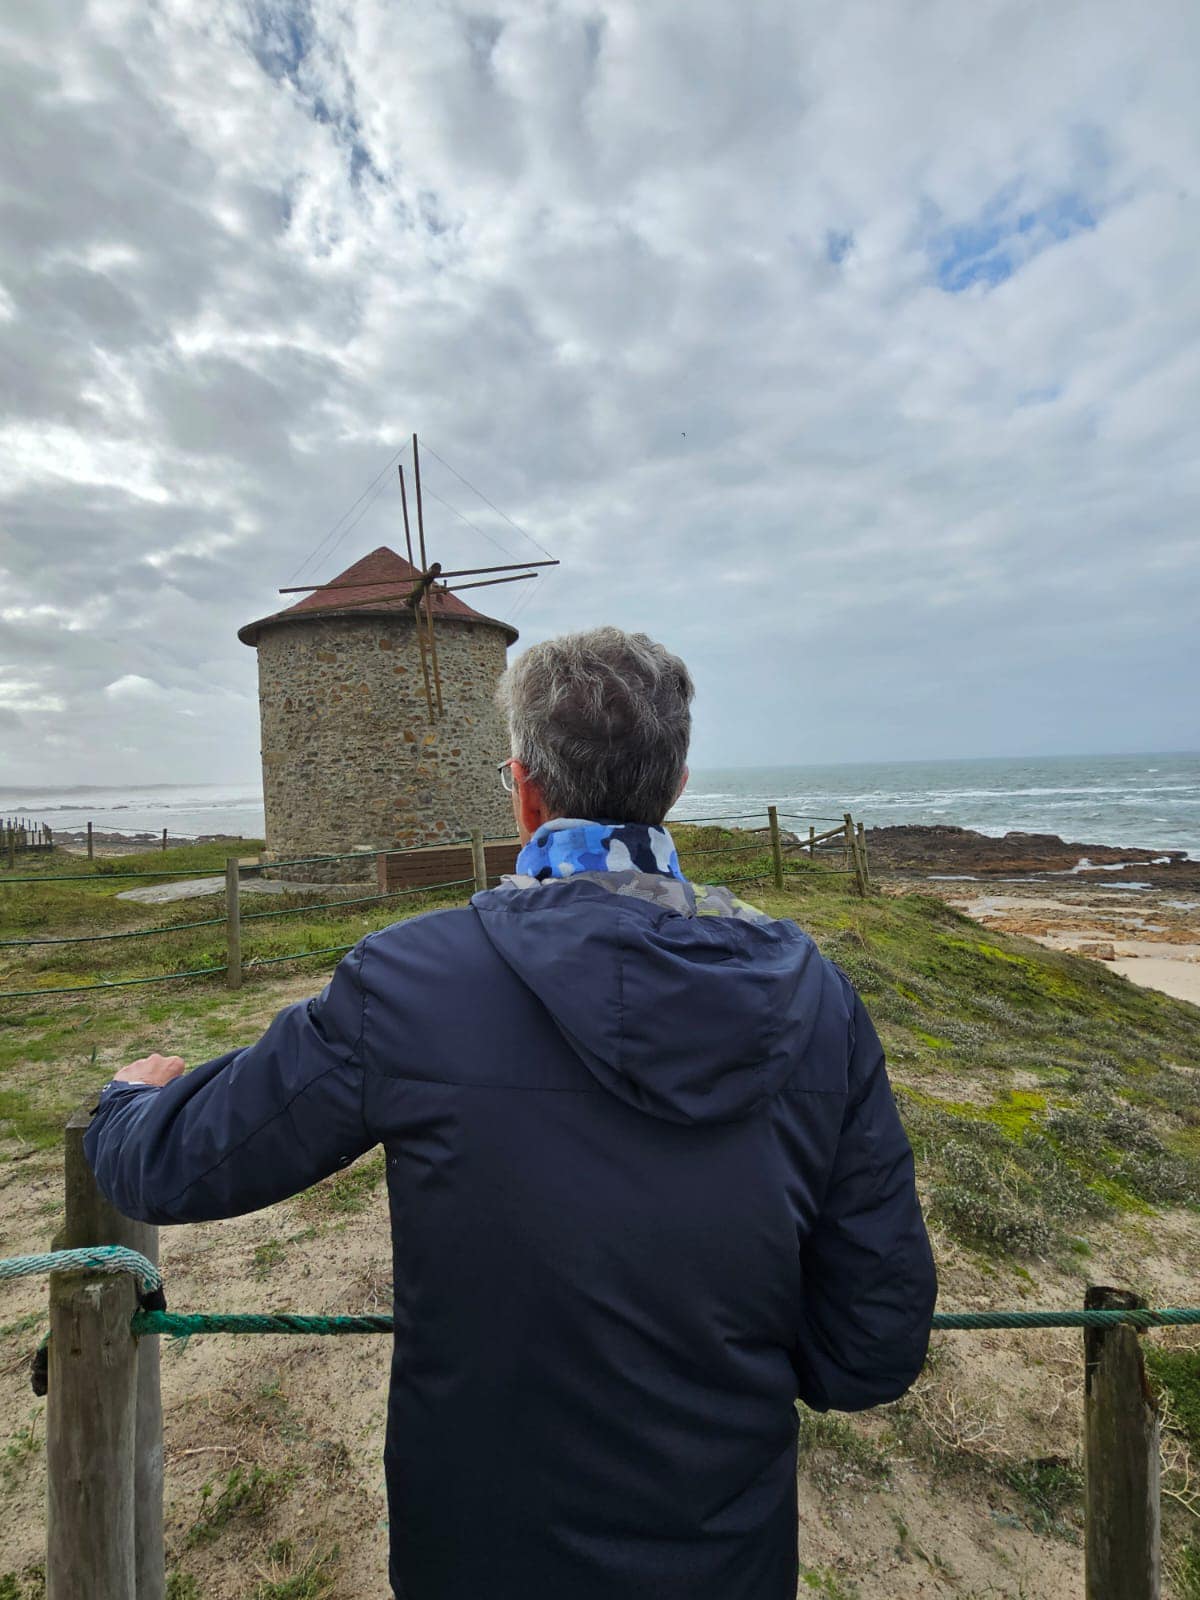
point(247, 1129)
point(869, 1279)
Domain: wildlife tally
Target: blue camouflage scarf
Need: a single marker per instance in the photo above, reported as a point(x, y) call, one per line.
point(566, 846)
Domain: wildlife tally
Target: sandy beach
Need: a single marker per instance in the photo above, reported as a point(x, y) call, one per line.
point(1149, 936)
point(1137, 910)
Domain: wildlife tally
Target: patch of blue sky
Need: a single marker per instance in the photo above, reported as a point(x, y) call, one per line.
point(281, 36)
point(1004, 237)
point(1046, 395)
point(838, 246)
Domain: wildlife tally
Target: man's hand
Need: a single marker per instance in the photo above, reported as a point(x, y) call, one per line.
point(157, 1070)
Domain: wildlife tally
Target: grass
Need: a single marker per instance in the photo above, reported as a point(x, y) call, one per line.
point(1176, 1372)
point(83, 1036)
point(825, 1581)
point(290, 1578)
point(244, 1496)
point(267, 1257)
point(27, 1585)
point(1106, 1121)
point(837, 1456)
point(1185, 1569)
point(347, 1193)
point(1051, 1491)
point(1017, 1170)
point(46, 909)
point(1047, 1100)
point(1042, 1093)
point(23, 1445)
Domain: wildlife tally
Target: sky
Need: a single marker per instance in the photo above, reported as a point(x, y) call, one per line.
point(851, 349)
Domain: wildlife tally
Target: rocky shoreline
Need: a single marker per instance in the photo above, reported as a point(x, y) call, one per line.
point(74, 841)
point(1137, 910)
point(947, 852)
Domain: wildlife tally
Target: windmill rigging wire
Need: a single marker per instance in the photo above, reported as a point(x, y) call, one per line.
point(433, 495)
point(429, 450)
point(350, 526)
point(376, 485)
point(523, 600)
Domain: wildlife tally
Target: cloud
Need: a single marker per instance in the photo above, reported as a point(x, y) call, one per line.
point(133, 687)
point(852, 349)
point(24, 694)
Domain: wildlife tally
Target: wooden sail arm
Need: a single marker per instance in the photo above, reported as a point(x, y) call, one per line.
point(488, 582)
point(379, 583)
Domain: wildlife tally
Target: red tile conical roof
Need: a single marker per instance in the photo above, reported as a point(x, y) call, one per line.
point(378, 585)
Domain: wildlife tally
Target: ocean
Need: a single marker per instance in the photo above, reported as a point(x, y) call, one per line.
point(1151, 800)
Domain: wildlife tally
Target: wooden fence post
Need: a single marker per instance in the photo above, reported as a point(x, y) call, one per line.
point(233, 925)
point(860, 839)
point(103, 1411)
point(1122, 1553)
point(852, 859)
point(164, 839)
point(12, 849)
point(479, 860)
point(812, 841)
point(776, 848)
point(91, 847)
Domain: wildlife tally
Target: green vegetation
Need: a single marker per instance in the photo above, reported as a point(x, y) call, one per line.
point(1185, 1569)
point(347, 1193)
point(1041, 1091)
point(17, 1452)
point(49, 910)
point(84, 1036)
point(1176, 1373)
point(32, 1319)
point(825, 1581)
point(27, 1585)
point(1051, 1489)
point(268, 1256)
point(243, 1497)
point(312, 1579)
point(1046, 1098)
point(836, 1455)
point(1103, 1114)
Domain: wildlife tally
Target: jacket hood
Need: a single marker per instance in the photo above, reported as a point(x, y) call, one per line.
point(690, 1019)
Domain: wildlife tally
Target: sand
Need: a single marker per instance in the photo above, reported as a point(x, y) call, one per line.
point(1150, 936)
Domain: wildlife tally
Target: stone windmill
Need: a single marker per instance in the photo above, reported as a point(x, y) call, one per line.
point(379, 722)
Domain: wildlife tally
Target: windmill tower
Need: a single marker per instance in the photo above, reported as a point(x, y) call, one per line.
point(377, 703)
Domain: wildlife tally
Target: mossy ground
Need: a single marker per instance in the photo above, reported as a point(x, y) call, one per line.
point(1053, 1108)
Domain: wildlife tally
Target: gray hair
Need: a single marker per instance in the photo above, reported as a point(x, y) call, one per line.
point(601, 720)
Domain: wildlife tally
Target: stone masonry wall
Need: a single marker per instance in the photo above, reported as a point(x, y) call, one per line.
point(350, 759)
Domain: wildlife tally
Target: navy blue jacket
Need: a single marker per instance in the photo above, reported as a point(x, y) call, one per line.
point(648, 1186)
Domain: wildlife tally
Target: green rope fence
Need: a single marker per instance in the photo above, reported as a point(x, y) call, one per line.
point(92, 1258)
point(182, 1325)
point(247, 916)
point(359, 900)
point(203, 972)
point(115, 877)
point(115, 983)
point(102, 876)
point(99, 938)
